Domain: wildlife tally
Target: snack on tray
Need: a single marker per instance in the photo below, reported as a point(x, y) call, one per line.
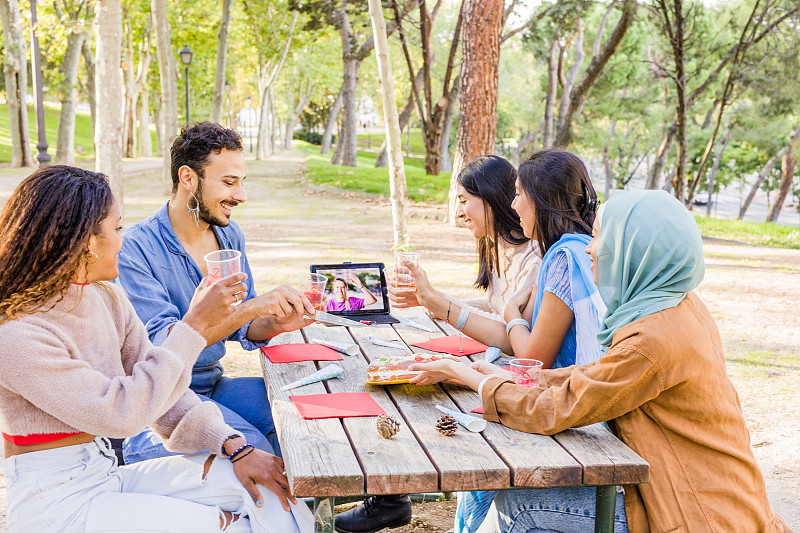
point(394, 369)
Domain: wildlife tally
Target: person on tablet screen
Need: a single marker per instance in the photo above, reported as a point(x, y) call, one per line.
point(341, 302)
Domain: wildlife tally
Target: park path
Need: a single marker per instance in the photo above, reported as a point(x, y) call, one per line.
point(752, 291)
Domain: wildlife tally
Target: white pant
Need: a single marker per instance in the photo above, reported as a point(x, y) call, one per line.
point(80, 489)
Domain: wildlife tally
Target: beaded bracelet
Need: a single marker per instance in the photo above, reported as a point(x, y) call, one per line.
point(239, 450)
point(229, 437)
point(243, 455)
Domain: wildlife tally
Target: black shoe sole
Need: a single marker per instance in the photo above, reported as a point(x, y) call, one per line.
point(391, 525)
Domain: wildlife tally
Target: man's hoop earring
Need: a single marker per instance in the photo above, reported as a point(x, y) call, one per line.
point(194, 212)
point(91, 257)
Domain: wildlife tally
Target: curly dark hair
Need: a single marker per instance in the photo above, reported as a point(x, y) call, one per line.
point(491, 178)
point(558, 184)
point(44, 233)
point(196, 142)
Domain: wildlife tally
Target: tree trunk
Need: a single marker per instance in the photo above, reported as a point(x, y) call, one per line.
point(330, 124)
point(130, 96)
point(347, 145)
point(219, 72)
point(272, 120)
point(65, 139)
point(15, 71)
point(787, 175)
point(446, 162)
point(91, 91)
point(726, 139)
point(303, 97)
point(405, 114)
point(267, 103)
point(592, 73)
point(566, 90)
point(142, 91)
point(169, 88)
point(654, 177)
point(145, 141)
point(264, 148)
point(397, 176)
point(109, 94)
point(480, 59)
point(552, 89)
point(527, 139)
point(159, 133)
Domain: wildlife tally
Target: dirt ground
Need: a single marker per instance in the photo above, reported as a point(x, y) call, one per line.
point(752, 292)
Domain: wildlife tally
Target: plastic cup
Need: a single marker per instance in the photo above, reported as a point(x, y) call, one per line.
point(222, 263)
point(403, 280)
point(313, 287)
point(526, 372)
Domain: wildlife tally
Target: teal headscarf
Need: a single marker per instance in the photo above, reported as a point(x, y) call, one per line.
point(649, 256)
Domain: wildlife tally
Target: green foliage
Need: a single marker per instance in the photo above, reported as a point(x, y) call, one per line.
point(311, 137)
point(366, 178)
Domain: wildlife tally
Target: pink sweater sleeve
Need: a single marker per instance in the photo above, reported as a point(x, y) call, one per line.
point(189, 425)
point(72, 391)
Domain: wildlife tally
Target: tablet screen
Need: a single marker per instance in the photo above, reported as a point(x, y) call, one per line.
point(354, 288)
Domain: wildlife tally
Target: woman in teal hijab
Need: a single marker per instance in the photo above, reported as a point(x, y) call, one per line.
point(650, 254)
point(661, 385)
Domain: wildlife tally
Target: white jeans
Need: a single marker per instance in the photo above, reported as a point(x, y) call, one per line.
point(80, 489)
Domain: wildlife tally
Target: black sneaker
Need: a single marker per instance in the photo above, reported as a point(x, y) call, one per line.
point(376, 513)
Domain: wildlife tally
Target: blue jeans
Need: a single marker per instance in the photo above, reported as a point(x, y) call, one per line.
point(565, 510)
point(244, 406)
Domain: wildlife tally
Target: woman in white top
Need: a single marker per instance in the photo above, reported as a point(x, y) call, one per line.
point(508, 262)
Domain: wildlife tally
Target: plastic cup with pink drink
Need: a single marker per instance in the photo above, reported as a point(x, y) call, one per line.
point(313, 287)
point(526, 372)
point(222, 263)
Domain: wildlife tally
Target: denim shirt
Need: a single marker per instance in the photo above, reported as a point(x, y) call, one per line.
point(160, 278)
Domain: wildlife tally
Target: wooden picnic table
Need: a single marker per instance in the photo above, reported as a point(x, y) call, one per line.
point(334, 457)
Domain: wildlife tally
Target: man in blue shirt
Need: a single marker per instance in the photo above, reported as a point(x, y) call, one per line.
point(161, 265)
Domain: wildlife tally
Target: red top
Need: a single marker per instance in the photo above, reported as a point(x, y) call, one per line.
point(37, 438)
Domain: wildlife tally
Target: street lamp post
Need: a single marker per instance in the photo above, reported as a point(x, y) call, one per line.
point(186, 59)
point(36, 67)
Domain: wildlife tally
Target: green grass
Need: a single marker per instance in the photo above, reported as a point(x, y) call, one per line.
point(760, 233)
point(372, 141)
point(366, 178)
point(83, 132)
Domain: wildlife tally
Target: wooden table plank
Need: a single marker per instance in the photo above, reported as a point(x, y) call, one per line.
point(606, 460)
point(535, 460)
point(379, 457)
point(464, 461)
point(318, 455)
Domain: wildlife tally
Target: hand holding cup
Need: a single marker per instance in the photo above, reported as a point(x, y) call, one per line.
point(213, 302)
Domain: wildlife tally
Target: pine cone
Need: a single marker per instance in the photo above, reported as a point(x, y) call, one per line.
point(387, 426)
point(446, 425)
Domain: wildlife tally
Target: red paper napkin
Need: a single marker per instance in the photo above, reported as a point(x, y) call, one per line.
point(292, 353)
point(337, 405)
point(478, 410)
point(449, 345)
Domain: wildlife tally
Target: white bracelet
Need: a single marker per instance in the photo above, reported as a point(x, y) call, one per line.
point(462, 318)
point(517, 322)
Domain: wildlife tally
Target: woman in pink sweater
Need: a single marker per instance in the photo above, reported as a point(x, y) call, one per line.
point(76, 366)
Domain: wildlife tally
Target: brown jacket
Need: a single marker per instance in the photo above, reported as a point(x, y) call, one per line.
point(663, 384)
